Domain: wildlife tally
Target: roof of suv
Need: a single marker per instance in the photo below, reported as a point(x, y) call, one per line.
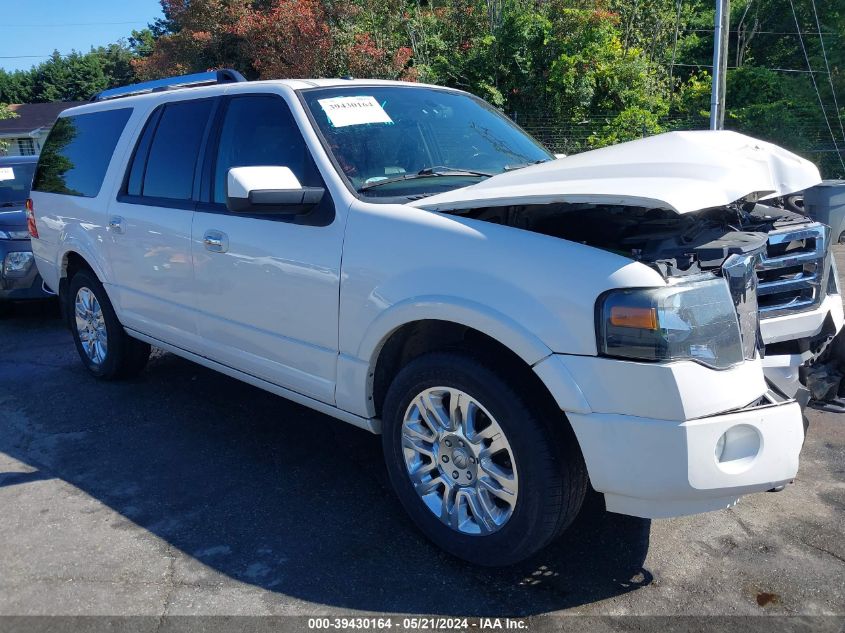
point(216, 89)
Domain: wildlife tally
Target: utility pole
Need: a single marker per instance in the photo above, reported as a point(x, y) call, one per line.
point(720, 64)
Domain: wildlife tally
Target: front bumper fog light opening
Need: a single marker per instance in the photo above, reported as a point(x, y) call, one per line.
point(737, 448)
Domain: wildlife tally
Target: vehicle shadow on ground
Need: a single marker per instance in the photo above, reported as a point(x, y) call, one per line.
point(277, 496)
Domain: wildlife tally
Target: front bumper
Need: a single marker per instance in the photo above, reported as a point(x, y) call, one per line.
point(650, 432)
point(659, 468)
point(23, 285)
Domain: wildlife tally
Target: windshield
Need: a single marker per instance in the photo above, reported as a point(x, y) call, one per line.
point(411, 141)
point(15, 181)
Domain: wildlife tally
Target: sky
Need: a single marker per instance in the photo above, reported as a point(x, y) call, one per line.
point(30, 30)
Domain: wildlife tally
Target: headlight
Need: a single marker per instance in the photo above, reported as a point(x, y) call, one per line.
point(17, 263)
point(14, 235)
point(695, 320)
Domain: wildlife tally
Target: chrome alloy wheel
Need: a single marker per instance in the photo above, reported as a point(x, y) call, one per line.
point(459, 461)
point(91, 325)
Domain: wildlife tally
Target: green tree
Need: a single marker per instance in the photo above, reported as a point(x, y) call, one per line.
point(74, 77)
point(16, 86)
point(5, 113)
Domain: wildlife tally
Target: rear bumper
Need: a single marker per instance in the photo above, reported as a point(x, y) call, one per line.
point(659, 468)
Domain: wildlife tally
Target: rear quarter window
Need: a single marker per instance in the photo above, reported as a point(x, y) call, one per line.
point(78, 151)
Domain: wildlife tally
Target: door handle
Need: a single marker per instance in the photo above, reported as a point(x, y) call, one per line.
point(215, 241)
point(116, 224)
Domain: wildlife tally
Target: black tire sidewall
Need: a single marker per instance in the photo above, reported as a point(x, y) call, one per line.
point(110, 367)
point(528, 528)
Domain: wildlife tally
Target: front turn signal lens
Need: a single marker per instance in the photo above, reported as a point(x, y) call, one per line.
point(630, 316)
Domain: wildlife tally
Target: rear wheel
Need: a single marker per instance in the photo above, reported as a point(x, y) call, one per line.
point(103, 345)
point(479, 467)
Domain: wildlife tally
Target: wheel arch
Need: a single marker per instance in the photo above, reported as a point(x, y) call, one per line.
point(413, 338)
point(71, 261)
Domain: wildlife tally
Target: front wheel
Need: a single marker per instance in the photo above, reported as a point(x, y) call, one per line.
point(480, 467)
point(103, 345)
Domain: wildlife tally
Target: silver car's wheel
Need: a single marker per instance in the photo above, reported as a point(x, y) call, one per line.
point(91, 325)
point(459, 461)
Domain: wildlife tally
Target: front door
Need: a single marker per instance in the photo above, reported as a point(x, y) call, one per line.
point(267, 285)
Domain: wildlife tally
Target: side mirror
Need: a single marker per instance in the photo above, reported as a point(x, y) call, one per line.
point(265, 189)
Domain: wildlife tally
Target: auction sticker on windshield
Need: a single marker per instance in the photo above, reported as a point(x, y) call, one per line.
point(346, 111)
point(7, 173)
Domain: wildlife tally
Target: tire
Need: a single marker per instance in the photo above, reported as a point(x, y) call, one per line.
point(91, 316)
point(542, 462)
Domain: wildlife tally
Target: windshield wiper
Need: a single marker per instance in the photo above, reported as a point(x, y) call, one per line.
point(428, 172)
point(13, 204)
point(452, 171)
point(521, 165)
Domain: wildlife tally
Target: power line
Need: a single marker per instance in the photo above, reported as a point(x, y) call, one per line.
point(38, 26)
point(819, 33)
point(50, 55)
point(829, 77)
point(815, 85)
point(780, 70)
point(675, 45)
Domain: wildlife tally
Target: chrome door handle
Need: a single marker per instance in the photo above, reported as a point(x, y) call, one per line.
point(116, 224)
point(215, 241)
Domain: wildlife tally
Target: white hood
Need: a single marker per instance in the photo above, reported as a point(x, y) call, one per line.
point(680, 171)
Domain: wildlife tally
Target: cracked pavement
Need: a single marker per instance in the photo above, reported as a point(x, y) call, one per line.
point(187, 492)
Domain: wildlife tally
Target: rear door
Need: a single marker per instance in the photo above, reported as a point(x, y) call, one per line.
point(267, 299)
point(149, 225)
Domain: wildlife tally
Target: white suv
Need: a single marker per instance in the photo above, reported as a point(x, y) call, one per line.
point(406, 259)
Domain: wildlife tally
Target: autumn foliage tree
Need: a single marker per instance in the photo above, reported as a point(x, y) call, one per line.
point(290, 38)
point(196, 35)
point(277, 38)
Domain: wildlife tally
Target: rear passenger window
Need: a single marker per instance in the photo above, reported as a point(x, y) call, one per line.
point(78, 151)
point(168, 150)
point(175, 150)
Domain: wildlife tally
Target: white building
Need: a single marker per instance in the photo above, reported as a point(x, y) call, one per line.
point(24, 135)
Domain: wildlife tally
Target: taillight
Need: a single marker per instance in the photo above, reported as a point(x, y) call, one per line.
point(30, 219)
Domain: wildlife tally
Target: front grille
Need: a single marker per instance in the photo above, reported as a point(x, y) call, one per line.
point(791, 272)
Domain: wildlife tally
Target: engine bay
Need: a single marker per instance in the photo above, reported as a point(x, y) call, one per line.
point(675, 245)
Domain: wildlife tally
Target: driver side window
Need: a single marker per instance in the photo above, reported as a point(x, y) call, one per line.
point(260, 130)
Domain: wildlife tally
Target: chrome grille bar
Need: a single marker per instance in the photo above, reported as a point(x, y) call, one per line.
point(783, 289)
point(782, 285)
point(789, 260)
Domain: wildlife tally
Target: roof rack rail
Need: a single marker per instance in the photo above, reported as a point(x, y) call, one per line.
point(209, 78)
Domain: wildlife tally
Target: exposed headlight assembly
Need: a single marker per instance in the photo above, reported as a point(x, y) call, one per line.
point(693, 320)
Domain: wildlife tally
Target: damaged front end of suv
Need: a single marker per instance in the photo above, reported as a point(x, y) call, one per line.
point(690, 204)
